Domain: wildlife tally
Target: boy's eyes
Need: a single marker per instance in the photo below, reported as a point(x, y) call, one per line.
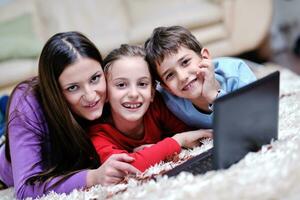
point(185, 62)
point(169, 76)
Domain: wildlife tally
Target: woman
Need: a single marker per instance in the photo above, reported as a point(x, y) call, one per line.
point(47, 148)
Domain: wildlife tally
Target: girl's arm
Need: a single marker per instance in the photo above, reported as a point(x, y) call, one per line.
point(153, 154)
point(144, 158)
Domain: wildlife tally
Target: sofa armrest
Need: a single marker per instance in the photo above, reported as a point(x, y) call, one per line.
point(248, 23)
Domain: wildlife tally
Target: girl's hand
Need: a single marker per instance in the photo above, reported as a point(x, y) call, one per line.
point(142, 147)
point(191, 139)
point(112, 171)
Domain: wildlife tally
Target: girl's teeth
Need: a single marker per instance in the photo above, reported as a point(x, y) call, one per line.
point(132, 105)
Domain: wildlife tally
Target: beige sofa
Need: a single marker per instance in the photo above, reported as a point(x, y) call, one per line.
point(226, 27)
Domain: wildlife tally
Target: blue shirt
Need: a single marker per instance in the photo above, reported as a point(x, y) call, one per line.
point(231, 73)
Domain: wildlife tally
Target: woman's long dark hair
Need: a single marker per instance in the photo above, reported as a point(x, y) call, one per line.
point(70, 147)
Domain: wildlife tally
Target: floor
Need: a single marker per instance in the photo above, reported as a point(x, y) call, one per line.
point(286, 58)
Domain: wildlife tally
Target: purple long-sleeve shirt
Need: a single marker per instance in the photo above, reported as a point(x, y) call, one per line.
point(27, 135)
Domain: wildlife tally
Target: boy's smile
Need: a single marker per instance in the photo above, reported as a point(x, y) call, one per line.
point(190, 85)
point(179, 73)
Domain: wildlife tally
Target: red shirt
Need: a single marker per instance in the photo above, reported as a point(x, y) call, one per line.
point(159, 123)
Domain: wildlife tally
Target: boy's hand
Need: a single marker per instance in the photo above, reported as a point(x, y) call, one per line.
point(210, 85)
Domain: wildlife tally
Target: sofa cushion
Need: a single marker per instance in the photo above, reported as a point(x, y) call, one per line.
point(17, 39)
point(15, 71)
point(102, 21)
point(147, 14)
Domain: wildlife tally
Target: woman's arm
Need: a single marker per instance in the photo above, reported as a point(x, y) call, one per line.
point(113, 170)
point(27, 137)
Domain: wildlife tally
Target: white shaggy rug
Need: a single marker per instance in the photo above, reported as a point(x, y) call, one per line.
point(268, 174)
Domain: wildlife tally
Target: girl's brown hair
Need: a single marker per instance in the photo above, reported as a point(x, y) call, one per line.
point(126, 50)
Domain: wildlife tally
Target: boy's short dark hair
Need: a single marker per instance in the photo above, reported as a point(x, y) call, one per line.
point(167, 40)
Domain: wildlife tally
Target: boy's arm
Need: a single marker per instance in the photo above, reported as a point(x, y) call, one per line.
point(246, 75)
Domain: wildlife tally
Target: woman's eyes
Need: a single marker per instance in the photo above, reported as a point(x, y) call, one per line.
point(95, 79)
point(72, 88)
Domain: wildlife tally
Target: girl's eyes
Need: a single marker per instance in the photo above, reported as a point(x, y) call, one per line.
point(95, 79)
point(72, 88)
point(124, 85)
point(143, 84)
point(121, 85)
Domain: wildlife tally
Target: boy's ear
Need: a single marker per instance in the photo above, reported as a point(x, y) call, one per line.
point(205, 53)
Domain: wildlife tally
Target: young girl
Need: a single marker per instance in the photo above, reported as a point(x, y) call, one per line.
point(138, 115)
point(47, 148)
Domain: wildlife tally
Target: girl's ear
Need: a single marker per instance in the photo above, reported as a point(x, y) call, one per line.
point(205, 53)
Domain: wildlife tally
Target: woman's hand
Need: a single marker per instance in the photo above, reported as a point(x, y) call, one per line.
point(191, 139)
point(112, 171)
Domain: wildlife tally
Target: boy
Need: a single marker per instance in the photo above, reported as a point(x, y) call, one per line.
point(189, 79)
